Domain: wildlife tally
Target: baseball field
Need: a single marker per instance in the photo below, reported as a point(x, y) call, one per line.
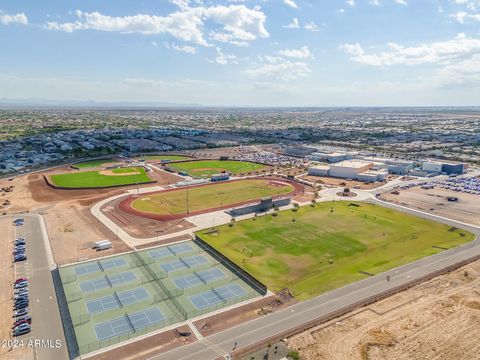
point(320, 248)
point(204, 197)
point(207, 168)
point(104, 178)
point(92, 163)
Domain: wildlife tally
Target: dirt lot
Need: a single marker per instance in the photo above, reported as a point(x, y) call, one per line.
point(439, 319)
point(322, 180)
point(466, 209)
point(71, 227)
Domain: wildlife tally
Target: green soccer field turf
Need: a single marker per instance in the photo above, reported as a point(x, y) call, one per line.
point(90, 179)
point(208, 197)
point(316, 249)
point(207, 168)
point(165, 157)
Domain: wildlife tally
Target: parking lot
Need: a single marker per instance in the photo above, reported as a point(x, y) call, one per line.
point(118, 298)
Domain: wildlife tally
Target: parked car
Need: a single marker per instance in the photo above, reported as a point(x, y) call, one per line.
point(16, 251)
point(20, 239)
point(22, 321)
point(21, 279)
point(19, 242)
point(19, 247)
point(20, 285)
point(20, 257)
point(21, 329)
point(20, 312)
point(20, 305)
point(18, 222)
point(20, 297)
point(21, 290)
point(26, 318)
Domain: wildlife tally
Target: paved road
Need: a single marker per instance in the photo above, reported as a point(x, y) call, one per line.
point(46, 321)
point(254, 331)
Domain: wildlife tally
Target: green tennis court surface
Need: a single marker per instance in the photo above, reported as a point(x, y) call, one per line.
point(118, 298)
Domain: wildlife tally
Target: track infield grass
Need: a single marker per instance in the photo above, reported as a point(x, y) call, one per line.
point(209, 196)
point(207, 168)
point(323, 249)
point(91, 179)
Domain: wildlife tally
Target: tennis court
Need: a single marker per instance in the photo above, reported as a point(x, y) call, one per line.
point(102, 304)
point(217, 295)
point(198, 278)
point(87, 268)
point(112, 263)
point(107, 281)
point(117, 298)
point(129, 297)
point(184, 263)
point(171, 250)
point(128, 322)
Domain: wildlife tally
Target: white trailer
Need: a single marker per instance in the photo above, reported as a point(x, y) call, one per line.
point(104, 245)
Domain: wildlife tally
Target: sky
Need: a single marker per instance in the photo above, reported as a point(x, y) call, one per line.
point(243, 52)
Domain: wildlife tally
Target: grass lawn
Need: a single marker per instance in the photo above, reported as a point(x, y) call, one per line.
point(92, 163)
point(89, 179)
point(165, 157)
point(323, 250)
point(207, 197)
point(207, 168)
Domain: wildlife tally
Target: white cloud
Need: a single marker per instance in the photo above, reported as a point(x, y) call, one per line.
point(350, 2)
point(18, 18)
point(441, 52)
point(186, 49)
point(311, 26)
point(302, 53)
point(239, 23)
point(224, 59)
point(290, 3)
point(282, 70)
point(293, 25)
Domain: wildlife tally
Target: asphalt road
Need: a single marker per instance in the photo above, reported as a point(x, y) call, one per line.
point(47, 331)
point(255, 330)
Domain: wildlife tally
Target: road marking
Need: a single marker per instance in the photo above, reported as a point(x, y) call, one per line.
point(214, 347)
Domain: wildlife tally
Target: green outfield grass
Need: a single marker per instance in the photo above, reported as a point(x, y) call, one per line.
point(92, 163)
point(207, 197)
point(165, 157)
point(323, 249)
point(90, 179)
point(207, 168)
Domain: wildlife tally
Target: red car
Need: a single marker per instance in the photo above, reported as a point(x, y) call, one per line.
point(22, 321)
point(20, 280)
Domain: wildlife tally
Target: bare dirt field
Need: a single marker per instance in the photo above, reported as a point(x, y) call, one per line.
point(7, 278)
point(438, 319)
point(322, 180)
point(466, 209)
point(71, 226)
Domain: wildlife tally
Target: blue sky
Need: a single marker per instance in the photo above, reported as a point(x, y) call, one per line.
point(243, 52)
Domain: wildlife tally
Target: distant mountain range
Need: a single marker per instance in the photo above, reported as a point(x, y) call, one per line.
point(33, 102)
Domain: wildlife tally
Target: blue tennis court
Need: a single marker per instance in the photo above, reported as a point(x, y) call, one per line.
point(87, 269)
point(94, 285)
point(112, 263)
point(146, 317)
point(180, 248)
point(198, 278)
point(123, 324)
point(122, 278)
point(132, 296)
point(217, 295)
point(184, 263)
point(102, 304)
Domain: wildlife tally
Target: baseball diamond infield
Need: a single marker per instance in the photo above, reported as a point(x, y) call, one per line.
point(172, 204)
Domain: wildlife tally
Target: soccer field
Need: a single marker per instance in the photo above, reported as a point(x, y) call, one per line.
point(207, 168)
point(210, 196)
point(91, 179)
point(317, 249)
